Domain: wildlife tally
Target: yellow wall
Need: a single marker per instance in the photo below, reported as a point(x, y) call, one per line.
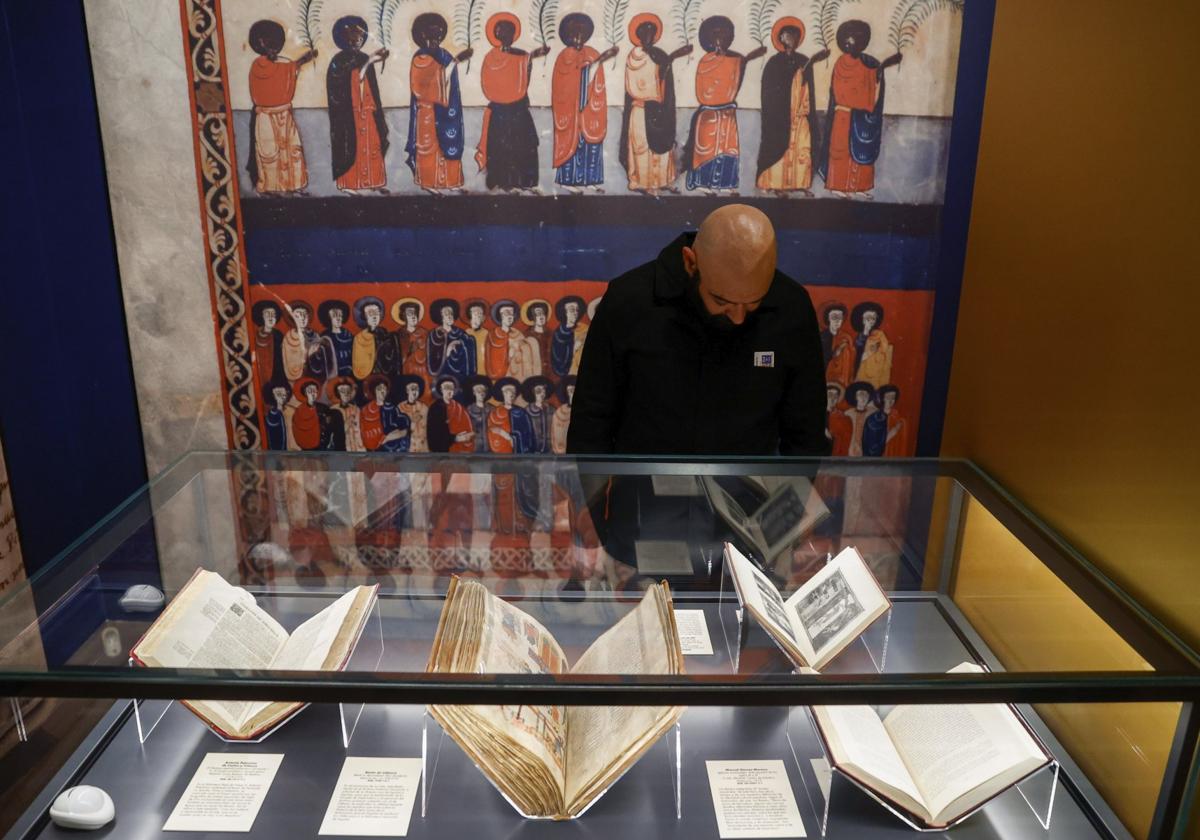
point(1077, 359)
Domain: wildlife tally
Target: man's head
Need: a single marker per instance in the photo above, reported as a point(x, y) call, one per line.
point(372, 313)
point(350, 33)
point(301, 314)
point(575, 29)
point(853, 37)
point(266, 314)
point(835, 316)
point(859, 394)
point(429, 30)
point(886, 397)
point(267, 38)
point(446, 387)
point(833, 396)
point(475, 314)
point(733, 262)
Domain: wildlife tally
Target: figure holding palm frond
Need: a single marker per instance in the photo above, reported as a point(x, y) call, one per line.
point(435, 117)
point(276, 160)
point(508, 144)
point(789, 120)
point(648, 122)
point(712, 154)
point(854, 121)
point(579, 103)
point(358, 133)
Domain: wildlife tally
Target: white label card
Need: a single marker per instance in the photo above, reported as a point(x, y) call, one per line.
point(676, 485)
point(754, 799)
point(373, 797)
point(662, 557)
point(225, 793)
point(693, 632)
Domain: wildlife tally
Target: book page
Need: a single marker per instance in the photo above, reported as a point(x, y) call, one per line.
point(952, 751)
point(792, 510)
point(862, 748)
point(515, 643)
point(761, 597)
point(730, 511)
point(836, 605)
point(644, 641)
point(309, 643)
point(212, 624)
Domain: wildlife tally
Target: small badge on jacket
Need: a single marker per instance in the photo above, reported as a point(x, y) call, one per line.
point(764, 358)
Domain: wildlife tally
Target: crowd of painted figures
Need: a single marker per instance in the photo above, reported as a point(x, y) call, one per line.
point(499, 376)
point(861, 417)
point(842, 147)
point(484, 384)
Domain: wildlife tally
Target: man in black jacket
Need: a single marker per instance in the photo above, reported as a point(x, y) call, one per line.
point(708, 350)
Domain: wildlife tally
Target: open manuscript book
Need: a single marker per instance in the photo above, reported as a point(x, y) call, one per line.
point(552, 761)
point(213, 624)
point(823, 616)
point(937, 762)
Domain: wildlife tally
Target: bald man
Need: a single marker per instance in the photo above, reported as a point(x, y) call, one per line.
point(707, 350)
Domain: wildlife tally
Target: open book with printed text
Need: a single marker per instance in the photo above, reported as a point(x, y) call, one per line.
point(211, 623)
point(552, 761)
point(936, 762)
point(824, 615)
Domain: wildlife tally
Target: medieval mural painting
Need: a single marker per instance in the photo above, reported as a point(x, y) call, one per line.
point(412, 207)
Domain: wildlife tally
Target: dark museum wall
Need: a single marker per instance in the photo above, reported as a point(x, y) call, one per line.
point(68, 413)
point(1073, 379)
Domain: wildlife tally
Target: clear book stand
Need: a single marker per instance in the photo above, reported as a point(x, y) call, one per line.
point(823, 782)
point(432, 737)
point(736, 628)
point(366, 656)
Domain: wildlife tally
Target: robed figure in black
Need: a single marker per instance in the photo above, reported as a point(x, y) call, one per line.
point(508, 143)
point(358, 134)
point(789, 120)
point(648, 122)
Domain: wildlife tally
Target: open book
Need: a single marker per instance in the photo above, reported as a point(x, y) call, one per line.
point(823, 616)
point(788, 508)
point(938, 762)
point(552, 761)
point(212, 624)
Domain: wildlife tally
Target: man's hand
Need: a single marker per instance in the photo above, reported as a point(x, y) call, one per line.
point(465, 54)
point(757, 52)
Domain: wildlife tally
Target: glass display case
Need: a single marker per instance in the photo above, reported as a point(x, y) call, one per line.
point(988, 609)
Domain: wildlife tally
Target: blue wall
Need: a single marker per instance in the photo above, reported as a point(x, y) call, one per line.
point(68, 410)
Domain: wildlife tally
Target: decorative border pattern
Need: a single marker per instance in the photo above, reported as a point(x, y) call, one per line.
point(221, 215)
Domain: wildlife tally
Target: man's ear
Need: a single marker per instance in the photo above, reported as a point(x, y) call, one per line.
point(689, 261)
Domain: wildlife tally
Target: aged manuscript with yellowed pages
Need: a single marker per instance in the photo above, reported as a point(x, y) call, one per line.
point(552, 761)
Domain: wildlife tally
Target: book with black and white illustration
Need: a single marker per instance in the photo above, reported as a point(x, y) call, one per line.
point(937, 763)
point(211, 623)
point(782, 509)
point(820, 618)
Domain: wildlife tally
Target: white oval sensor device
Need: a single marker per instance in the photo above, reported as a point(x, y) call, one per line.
point(83, 806)
point(142, 597)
